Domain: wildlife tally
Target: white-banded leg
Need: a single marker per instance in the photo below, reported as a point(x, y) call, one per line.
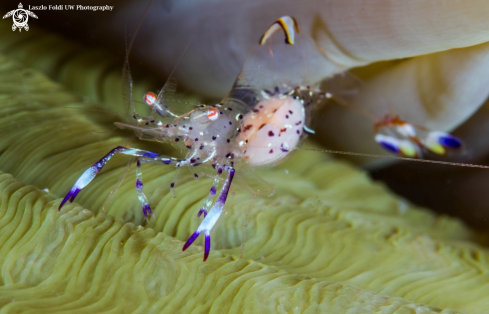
point(139, 187)
point(214, 213)
point(91, 172)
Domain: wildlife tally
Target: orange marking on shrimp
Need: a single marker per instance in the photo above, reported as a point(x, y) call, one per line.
point(212, 114)
point(150, 98)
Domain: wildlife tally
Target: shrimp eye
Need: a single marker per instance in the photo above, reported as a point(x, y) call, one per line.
point(212, 114)
point(149, 98)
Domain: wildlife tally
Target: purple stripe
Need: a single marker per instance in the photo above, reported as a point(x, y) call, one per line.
point(207, 246)
point(202, 211)
point(231, 174)
point(389, 147)
point(225, 189)
point(150, 154)
point(106, 158)
point(283, 149)
point(191, 240)
point(74, 194)
point(147, 210)
point(213, 190)
point(139, 184)
point(450, 141)
point(64, 200)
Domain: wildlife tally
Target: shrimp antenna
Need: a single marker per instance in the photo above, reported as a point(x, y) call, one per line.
point(169, 81)
point(126, 72)
point(338, 152)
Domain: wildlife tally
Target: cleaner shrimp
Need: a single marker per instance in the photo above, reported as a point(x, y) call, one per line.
point(259, 123)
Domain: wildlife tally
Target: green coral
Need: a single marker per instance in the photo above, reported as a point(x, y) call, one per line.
point(329, 240)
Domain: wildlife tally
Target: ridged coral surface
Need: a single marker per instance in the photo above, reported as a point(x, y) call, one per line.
point(329, 240)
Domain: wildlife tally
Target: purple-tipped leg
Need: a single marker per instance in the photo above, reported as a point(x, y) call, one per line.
point(207, 246)
point(191, 240)
point(82, 182)
point(141, 196)
point(70, 196)
point(213, 215)
point(147, 211)
point(203, 210)
point(91, 172)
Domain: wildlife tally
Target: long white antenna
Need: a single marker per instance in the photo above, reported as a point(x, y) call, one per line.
point(448, 163)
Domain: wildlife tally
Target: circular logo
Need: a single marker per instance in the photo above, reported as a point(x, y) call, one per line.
point(20, 18)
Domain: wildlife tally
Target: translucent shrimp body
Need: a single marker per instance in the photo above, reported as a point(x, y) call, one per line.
point(251, 125)
point(206, 132)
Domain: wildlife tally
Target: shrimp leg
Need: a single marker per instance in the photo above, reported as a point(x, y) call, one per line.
point(212, 193)
point(141, 196)
point(91, 172)
point(214, 213)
